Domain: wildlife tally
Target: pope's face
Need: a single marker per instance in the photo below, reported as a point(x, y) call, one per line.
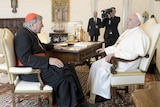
point(132, 21)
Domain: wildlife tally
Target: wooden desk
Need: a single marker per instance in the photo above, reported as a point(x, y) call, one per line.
point(76, 55)
point(148, 97)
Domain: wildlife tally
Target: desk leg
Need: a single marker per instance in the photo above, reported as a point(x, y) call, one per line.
point(73, 64)
point(88, 61)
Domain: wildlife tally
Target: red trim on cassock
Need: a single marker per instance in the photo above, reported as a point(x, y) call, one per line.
point(38, 54)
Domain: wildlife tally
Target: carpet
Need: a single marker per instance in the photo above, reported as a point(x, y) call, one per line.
point(82, 72)
point(6, 101)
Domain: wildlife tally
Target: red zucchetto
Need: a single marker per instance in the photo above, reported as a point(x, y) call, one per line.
point(30, 16)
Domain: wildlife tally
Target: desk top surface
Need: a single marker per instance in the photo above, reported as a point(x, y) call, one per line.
point(77, 47)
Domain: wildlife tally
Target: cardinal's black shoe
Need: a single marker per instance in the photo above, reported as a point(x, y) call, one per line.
point(85, 104)
point(100, 99)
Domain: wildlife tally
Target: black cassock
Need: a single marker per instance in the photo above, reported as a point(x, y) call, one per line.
point(67, 89)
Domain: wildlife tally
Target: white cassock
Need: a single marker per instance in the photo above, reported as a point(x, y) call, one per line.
point(131, 44)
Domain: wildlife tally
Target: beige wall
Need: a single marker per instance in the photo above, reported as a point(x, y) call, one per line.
point(80, 10)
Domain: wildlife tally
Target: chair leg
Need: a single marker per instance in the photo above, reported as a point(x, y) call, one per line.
point(39, 101)
point(115, 94)
point(113, 91)
point(50, 100)
point(13, 100)
point(126, 89)
point(113, 97)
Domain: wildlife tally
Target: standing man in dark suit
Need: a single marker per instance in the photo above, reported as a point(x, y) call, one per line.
point(94, 25)
point(111, 27)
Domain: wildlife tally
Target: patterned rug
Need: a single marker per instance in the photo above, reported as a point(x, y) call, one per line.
point(82, 72)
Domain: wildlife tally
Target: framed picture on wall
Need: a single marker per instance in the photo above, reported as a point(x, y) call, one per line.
point(60, 10)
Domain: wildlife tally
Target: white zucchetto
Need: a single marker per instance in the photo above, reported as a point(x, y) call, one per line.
point(139, 17)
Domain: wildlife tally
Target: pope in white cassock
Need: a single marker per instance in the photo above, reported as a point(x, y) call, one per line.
point(131, 44)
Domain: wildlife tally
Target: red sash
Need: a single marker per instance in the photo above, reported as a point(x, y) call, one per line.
point(38, 54)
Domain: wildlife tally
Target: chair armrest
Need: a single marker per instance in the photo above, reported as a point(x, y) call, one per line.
point(101, 55)
point(114, 61)
point(39, 77)
point(21, 70)
point(27, 70)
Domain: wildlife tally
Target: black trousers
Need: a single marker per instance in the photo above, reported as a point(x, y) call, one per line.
point(66, 86)
point(94, 38)
point(110, 40)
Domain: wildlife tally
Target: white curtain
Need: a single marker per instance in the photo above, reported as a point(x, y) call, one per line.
point(126, 12)
point(94, 6)
point(151, 7)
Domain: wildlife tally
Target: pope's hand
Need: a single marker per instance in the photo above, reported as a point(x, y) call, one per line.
point(108, 57)
point(100, 50)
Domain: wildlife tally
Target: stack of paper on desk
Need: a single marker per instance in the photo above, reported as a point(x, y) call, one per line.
point(80, 45)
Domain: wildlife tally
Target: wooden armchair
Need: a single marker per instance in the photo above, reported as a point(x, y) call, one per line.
point(20, 87)
point(137, 76)
point(3, 67)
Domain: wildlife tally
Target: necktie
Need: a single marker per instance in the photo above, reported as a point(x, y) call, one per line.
point(95, 20)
